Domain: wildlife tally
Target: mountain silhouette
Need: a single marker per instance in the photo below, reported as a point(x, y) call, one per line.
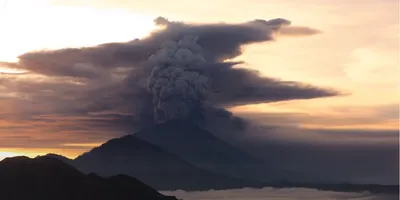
point(59, 157)
point(132, 156)
point(46, 178)
point(204, 150)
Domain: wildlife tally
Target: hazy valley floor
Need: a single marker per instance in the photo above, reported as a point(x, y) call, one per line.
point(277, 194)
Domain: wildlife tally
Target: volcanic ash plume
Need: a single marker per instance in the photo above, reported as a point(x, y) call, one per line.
point(177, 82)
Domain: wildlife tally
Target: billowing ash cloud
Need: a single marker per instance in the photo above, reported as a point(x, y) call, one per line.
point(177, 82)
point(234, 86)
point(219, 41)
point(176, 71)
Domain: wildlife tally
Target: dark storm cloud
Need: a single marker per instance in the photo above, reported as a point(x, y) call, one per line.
point(220, 119)
point(112, 78)
point(220, 41)
point(232, 86)
point(178, 82)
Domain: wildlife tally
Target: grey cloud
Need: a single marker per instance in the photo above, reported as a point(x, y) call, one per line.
point(113, 76)
point(220, 41)
point(161, 21)
point(233, 86)
point(298, 31)
point(177, 81)
point(221, 120)
point(383, 112)
point(372, 115)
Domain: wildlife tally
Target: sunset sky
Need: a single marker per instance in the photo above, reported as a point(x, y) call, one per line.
point(355, 52)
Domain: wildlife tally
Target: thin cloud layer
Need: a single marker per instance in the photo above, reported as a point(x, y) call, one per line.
point(277, 194)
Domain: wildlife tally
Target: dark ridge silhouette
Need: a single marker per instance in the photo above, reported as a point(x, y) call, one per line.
point(59, 157)
point(46, 178)
point(132, 156)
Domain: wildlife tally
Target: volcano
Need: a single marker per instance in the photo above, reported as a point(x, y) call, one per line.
point(179, 155)
point(135, 157)
point(201, 148)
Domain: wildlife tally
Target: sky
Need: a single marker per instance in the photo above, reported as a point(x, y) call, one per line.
point(355, 51)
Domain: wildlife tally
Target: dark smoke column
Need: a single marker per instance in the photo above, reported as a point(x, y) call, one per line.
point(177, 82)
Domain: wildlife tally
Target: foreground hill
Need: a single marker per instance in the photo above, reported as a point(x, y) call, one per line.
point(132, 156)
point(45, 178)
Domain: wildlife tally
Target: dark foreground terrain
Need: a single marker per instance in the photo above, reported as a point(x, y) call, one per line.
point(45, 178)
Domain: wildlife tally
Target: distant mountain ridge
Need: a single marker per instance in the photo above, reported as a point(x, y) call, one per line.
point(46, 178)
point(59, 157)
